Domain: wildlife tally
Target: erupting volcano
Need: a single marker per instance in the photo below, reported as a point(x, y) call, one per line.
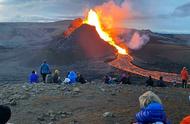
point(95, 36)
point(93, 20)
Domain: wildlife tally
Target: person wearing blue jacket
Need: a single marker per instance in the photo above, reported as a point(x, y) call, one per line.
point(33, 77)
point(72, 76)
point(44, 70)
point(152, 110)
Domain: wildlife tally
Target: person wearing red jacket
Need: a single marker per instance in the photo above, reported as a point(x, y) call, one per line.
point(186, 120)
point(184, 77)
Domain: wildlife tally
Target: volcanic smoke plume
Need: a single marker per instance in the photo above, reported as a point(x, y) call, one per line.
point(112, 15)
point(105, 18)
point(137, 41)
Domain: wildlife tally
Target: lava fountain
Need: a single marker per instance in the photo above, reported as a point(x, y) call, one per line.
point(94, 20)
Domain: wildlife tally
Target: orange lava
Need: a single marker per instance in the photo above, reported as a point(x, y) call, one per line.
point(125, 63)
point(94, 20)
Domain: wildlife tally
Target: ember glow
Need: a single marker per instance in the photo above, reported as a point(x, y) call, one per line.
point(94, 20)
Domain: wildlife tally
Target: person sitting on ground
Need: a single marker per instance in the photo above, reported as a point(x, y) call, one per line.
point(152, 110)
point(81, 79)
point(33, 77)
point(108, 79)
point(44, 70)
point(72, 76)
point(56, 77)
point(161, 83)
point(125, 79)
point(184, 77)
point(117, 78)
point(5, 114)
point(150, 82)
point(186, 120)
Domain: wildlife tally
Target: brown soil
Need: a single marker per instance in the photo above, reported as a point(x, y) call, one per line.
point(89, 104)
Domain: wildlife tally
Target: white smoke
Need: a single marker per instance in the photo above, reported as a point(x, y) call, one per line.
point(138, 41)
point(113, 15)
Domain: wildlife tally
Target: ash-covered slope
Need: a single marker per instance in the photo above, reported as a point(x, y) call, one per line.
point(24, 46)
point(87, 42)
point(84, 44)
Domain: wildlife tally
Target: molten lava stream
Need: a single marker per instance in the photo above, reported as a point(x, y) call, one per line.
point(93, 20)
point(125, 63)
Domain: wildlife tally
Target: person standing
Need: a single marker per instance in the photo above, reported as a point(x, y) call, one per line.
point(184, 77)
point(44, 70)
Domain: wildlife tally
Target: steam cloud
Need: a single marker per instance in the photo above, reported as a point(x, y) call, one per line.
point(137, 41)
point(114, 15)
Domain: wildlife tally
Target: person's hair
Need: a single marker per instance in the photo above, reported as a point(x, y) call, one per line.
point(147, 98)
point(33, 71)
point(56, 71)
point(161, 78)
point(150, 77)
point(5, 114)
point(184, 68)
point(45, 61)
point(79, 75)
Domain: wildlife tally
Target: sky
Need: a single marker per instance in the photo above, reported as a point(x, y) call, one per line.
point(167, 16)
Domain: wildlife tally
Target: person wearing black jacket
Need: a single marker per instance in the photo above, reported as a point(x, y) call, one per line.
point(5, 114)
point(150, 82)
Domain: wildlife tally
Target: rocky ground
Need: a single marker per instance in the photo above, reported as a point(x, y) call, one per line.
point(91, 103)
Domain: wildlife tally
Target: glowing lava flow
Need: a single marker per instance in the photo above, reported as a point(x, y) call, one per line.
point(93, 19)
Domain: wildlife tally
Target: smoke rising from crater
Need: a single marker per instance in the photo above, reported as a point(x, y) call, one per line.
point(113, 15)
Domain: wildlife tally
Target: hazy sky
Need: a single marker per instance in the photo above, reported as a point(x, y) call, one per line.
point(157, 15)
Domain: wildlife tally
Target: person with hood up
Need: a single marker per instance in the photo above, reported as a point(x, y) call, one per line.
point(184, 77)
point(33, 78)
point(5, 114)
point(152, 110)
point(44, 70)
point(72, 76)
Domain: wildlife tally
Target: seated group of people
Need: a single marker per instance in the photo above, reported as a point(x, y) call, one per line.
point(55, 77)
point(123, 79)
point(160, 82)
point(126, 79)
